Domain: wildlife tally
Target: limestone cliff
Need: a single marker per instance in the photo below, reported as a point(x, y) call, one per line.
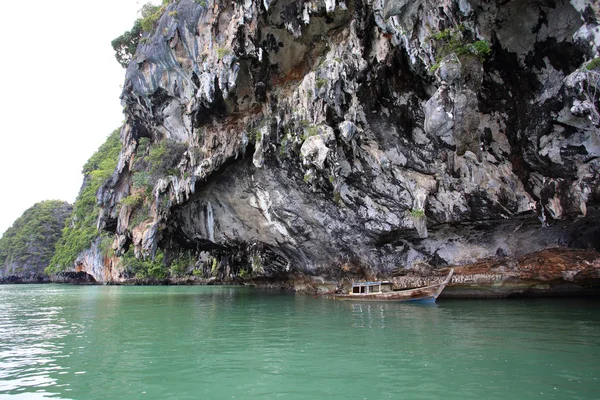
point(28, 245)
point(317, 140)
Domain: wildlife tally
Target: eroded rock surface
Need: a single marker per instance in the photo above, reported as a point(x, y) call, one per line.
point(555, 271)
point(74, 278)
point(326, 140)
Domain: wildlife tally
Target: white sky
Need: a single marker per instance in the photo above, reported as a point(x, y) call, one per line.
point(59, 95)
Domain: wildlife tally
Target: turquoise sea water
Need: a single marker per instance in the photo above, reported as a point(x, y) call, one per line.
point(103, 342)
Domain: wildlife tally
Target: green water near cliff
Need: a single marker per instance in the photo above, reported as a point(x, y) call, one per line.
point(74, 342)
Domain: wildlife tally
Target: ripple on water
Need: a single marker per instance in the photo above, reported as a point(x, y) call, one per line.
point(224, 343)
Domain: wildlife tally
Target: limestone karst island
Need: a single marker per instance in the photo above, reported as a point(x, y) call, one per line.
point(277, 156)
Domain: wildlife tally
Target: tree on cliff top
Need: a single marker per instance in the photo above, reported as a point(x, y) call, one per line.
point(126, 44)
point(28, 245)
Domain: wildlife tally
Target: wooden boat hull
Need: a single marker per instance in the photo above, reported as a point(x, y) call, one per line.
point(423, 294)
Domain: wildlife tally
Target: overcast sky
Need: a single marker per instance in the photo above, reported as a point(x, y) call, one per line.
point(59, 95)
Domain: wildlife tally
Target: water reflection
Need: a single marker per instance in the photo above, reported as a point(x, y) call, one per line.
point(374, 314)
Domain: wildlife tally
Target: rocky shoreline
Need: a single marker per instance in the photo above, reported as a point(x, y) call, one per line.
point(18, 280)
point(553, 272)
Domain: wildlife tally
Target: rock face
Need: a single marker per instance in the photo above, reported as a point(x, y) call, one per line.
point(556, 272)
point(549, 272)
point(327, 139)
point(28, 245)
point(74, 278)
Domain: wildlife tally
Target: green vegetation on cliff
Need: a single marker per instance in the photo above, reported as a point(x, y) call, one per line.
point(81, 229)
point(151, 164)
point(145, 268)
point(163, 158)
point(452, 41)
point(593, 65)
point(27, 246)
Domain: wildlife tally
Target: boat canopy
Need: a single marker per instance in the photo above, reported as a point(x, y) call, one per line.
point(366, 287)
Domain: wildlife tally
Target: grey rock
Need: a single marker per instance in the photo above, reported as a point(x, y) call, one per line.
point(439, 119)
point(466, 122)
point(449, 70)
point(486, 149)
point(347, 130)
point(314, 152)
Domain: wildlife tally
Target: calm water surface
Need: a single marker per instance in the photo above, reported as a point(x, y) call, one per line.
point(103, 342)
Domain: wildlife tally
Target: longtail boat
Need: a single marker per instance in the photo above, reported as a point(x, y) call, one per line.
point(371, 291)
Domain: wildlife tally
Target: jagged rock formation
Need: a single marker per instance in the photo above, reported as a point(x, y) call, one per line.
point(28, 245)
point(317, 139)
